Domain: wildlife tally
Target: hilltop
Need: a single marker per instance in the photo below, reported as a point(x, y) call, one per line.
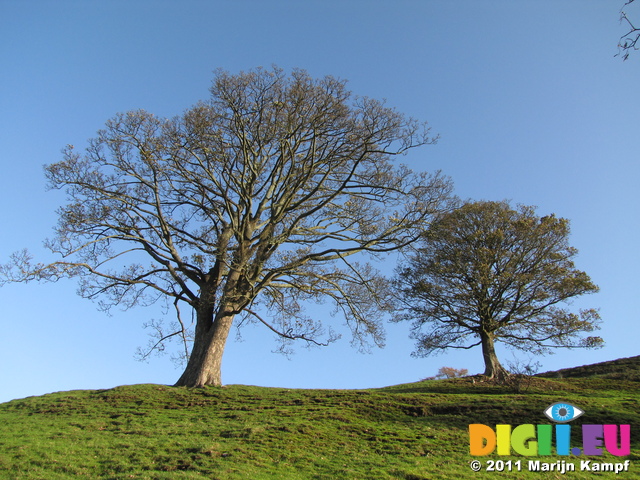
point(412, 431)
point(620, 369)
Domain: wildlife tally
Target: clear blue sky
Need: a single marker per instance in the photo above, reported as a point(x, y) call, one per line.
point(528, 98)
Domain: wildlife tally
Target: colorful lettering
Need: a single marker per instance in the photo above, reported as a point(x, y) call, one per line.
point(529, 440)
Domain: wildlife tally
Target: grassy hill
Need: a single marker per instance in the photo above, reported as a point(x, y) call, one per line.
point(412, 431)
point(620, 369)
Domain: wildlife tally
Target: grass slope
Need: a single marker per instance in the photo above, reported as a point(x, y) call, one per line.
point(413, 431)
point(620, 369)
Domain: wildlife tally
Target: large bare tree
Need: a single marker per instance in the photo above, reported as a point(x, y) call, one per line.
point(488, 273)
point(247, 206)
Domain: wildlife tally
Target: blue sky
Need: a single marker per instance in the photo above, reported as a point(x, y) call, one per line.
point(528, 98)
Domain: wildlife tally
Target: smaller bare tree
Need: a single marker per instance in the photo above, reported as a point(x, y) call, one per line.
point(487, 273)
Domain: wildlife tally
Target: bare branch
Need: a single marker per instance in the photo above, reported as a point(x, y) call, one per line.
point(628, 41)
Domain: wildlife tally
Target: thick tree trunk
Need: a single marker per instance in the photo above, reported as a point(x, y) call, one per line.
point(205, 361)
point(492, 367)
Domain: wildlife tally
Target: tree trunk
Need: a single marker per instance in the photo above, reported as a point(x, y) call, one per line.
point(205, 361)
point(492, 367)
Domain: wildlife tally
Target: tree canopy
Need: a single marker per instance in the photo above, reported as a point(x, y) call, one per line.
point(266, 196)
point(488, 273)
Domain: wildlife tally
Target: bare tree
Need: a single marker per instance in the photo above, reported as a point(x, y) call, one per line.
point(487, 273)
point(628, 41)
point(248, 205)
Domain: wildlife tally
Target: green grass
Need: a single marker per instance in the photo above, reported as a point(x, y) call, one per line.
point(414, 431)
point(620, 369)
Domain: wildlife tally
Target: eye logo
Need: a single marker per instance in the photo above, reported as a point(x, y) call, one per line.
point(562, 412)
